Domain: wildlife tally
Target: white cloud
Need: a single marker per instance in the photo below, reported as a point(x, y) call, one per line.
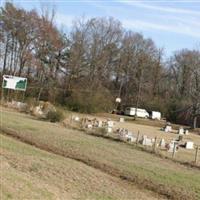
point(179, 28)
point(173, 20)
point(67, 21)
point(171, 23)
point(160, 8)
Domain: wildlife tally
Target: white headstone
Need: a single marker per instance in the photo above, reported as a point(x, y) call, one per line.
point(168, 129)
point(110, 124)
point(89, 126)
point(146, 141)
point(172, 145)
point(109, 129)
point(100, 124)
point(162, 143)
point(186, 132)
point(189, 145)
point(131, 138)
point(121, 119)
point(76, 119)
point(181, 131)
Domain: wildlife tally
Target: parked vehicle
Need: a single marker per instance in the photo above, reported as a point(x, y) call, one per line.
point(155, 115)
point(140, 112)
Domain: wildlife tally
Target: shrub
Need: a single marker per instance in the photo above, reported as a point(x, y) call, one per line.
point(101, 131)
point(55, 116)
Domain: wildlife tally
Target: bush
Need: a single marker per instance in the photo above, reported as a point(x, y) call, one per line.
point(102, 131)
point(55, 116)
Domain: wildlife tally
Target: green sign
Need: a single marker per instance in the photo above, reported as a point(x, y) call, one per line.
point(14, 83)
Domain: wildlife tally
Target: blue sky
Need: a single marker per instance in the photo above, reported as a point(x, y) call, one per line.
point(171, 24)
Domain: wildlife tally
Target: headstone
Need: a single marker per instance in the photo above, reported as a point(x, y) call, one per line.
point(129, 137)
point(181, 131)
point(89, 126)
point(100, 124)
point(189, 145)
point(146, 141)
point(76, 119)
point(110, 124)
point(186, 132)
point(162, 143)
point(171, 146)
point(168, 128)
point(121, 133)
point(121, 119)
point(109, 129)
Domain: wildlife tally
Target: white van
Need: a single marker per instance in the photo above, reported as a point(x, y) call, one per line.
point(140, 112)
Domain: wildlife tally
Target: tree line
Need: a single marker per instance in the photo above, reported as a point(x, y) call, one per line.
point(98, 60)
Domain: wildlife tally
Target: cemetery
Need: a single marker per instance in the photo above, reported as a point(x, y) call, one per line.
point(178, 144)
point(100, 100)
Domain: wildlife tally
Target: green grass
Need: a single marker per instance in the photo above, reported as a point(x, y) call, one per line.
point(118, 159)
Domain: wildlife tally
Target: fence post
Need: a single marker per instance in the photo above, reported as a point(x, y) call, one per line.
point(71, 120)
point(174, 150)
point(196, 154)
point(2, 95)
point(154, 146)
point(138, 137)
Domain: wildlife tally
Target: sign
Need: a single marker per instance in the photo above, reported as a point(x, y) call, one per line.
point(14, 83)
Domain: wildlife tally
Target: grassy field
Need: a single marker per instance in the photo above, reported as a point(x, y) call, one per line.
point(163, 176)
point(30, 173)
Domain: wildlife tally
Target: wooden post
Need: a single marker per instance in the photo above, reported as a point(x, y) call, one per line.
point(38, 98)
point(196, 155)
point(174, 150)
point(138, 137)
point(8, 96)
point(154, 146)
point(71, 120)
point(2, 95)
point(23, 97)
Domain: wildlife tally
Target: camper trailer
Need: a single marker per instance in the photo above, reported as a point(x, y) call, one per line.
point(140, 112)
point(155, 115)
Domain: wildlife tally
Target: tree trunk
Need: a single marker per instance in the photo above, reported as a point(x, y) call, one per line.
point(195, 122)
point(16, 57)
point(138, 98)
point(138, 93)
point(12, 56)
point(5, 56)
